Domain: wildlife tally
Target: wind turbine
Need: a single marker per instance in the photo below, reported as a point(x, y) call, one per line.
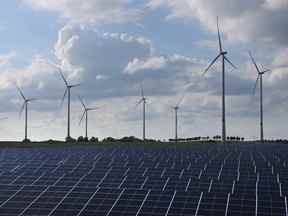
point(176, 109)
point(143, 100)
point(85, 113)
point(222, 54)
point(25, 106)
point(67, 90)
point(259, 77)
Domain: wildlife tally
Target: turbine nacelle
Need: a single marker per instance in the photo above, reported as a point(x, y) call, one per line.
point(30, 99)
point(176, 108)
point(263, 72)
point(72, 86)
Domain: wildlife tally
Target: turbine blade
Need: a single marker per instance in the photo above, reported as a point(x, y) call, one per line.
point(21, 93)
point(265, 71)
point(142, 90)
point(65, 81)
point(82, 116)
point(82, 102)
point(181, 99)
point(139, 102)
point(219, 37)
point(61, 104)
point(254, 62)
point(256, 83)
point(94, 108)
point(230, 62)
point(212, 63)
point(22, 108)
point(76, 85)
point(32, 99)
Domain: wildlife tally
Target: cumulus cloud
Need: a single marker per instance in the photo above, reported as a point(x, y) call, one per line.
point(113, 65)
point(90, 11)
point(153, 63)
point(108, 65)
point(28, 76)
point(257, 20)
point(279, 75)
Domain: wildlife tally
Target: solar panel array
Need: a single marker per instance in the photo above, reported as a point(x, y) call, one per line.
point(197, 180)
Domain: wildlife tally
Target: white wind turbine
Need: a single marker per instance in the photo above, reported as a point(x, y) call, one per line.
point(176, 109)
point(222, 54)
point(25, 106)
point(67, 90)
point(143, 100)
point(259, 78)
point(85, 113)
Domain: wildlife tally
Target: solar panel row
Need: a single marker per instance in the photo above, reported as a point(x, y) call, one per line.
point(209, 180)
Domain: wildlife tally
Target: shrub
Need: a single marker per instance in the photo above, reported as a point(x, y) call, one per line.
point(94, 139)
point(80, 139)
point(26, 141)
point(70, 139)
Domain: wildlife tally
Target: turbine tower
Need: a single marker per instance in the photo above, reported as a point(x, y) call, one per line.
point(85, 113)
point(67, 90)
point(176, 108)
point(259, 78)
point(25, 106)
point(222, 54)
point(143, 100)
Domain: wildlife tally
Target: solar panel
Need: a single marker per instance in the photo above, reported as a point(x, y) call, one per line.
point(156, 203)
point(196, 180)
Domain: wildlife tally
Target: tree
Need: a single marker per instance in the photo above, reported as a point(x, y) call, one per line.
point(94, 139)
point(80, 139)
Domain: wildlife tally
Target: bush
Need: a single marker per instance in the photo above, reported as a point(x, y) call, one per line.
point(70, 139)
point(26, 141)
point(109, 139)
point(130, 139)
point(80, 139)
point(94, 139)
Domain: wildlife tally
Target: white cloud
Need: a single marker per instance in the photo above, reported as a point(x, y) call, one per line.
point(244, 20)
point(153, 63)
point(90, 11)
point(276, 4)
point(32, 74)
point(113, 65)
point(279, 75)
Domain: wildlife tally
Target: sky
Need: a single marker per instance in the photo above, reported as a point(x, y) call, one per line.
point(110, 47)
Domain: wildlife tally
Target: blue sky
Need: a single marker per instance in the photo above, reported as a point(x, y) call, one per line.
point(26, 31)
point(111, 46)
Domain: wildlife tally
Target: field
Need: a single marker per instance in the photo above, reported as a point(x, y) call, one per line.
point(154, 179)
